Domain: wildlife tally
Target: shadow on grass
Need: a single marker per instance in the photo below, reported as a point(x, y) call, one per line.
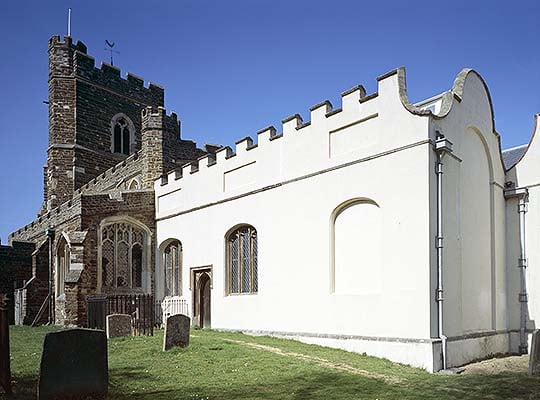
point(137, 383)
point(315, 386)
point(329, 385)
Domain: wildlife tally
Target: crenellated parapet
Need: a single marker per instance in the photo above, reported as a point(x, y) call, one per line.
point(362, 127)
point(320, 113)
point(73, 60)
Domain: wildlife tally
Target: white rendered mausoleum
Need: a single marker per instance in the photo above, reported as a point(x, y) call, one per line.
point(383, 227)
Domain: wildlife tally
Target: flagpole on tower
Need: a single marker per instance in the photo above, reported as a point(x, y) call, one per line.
point(69, 22)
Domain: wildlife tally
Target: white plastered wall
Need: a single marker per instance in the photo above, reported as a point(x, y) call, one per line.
point(289, 189)
point(474, 228)
point(525, 175)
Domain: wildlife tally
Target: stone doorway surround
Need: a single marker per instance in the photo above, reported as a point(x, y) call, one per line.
point(201, 284)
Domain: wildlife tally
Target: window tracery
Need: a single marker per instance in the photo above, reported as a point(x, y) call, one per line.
point(122, 255)
point(122, 134)
point(172, 262)
point(242, 260)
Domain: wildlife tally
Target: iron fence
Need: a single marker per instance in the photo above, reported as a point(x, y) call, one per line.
point(139, 306)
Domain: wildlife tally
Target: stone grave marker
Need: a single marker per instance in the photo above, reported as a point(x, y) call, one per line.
point(119, 325)
point(74, 365)
point(176, 331)
point(5, 369)
point(534, 354)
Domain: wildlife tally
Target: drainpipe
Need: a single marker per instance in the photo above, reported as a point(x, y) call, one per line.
point(50, 235)
point(442, 146)
point(522, 264)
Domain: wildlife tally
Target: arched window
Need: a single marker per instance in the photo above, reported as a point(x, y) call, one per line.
point(122, 134)
point(122, 255)
point(172, 261)
point(242, 260)
point(134, 185)
point(62, 265)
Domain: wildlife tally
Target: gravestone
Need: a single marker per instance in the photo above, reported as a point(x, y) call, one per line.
point(74, 365)
point(5, 370)
point(118, 325)
point(176, 331)
point(534, 354)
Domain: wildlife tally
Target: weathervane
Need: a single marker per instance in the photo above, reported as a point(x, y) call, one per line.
point(109, 48)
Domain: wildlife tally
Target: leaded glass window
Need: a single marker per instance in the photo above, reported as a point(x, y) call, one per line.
point(122, 255)
point(121, 135)
point(242, 260)
point(172, 261)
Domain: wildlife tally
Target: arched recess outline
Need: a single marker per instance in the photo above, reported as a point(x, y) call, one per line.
point(334, 215)
point(63, 262)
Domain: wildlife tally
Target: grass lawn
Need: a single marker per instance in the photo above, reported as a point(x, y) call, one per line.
point(220, 365)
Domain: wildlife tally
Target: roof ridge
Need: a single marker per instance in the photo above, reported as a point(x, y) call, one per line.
point(515, 147)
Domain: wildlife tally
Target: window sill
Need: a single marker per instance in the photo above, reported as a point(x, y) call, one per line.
point(241, 294)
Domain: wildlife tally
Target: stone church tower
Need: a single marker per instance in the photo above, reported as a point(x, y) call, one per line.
point(109, 140)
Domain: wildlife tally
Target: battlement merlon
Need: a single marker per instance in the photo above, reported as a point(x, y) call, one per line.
point(156, 118)
point(56, 41)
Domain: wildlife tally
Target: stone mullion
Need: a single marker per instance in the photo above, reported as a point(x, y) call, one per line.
point(180, 266)
point(241, 262)
point(175, 270)
point(115, 247)
point(130, 256)
point(231, 266)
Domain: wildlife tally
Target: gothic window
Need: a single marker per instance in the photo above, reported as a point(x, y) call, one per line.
point(133, 185)
point(242, 274)
point(62, 265)
point(122, 255)
point(122, 134)
point(172, 261)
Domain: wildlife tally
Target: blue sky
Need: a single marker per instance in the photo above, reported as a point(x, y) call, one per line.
point(233, 67)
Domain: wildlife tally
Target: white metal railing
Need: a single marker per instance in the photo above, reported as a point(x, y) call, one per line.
point(171, 306)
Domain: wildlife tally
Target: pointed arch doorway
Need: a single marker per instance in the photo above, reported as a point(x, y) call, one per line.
point(201, 283)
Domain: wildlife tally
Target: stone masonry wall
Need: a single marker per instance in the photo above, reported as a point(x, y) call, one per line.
point(15, 270)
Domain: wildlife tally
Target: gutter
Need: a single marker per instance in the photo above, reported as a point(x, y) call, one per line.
point(442, 146)
point(523, 297)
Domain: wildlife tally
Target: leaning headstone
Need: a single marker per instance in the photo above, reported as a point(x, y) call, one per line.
point(176, 331)
point(74, 365)
point(118, 325)
point(534, 354)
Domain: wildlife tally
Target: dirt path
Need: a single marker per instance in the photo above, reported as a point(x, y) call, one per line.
point(499, 365)
point(320, 361)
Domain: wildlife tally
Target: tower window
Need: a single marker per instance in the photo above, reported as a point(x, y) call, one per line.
point(122, 134)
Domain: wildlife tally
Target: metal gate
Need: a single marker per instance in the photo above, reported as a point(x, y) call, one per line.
point(20, 306)
point(139, 306)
